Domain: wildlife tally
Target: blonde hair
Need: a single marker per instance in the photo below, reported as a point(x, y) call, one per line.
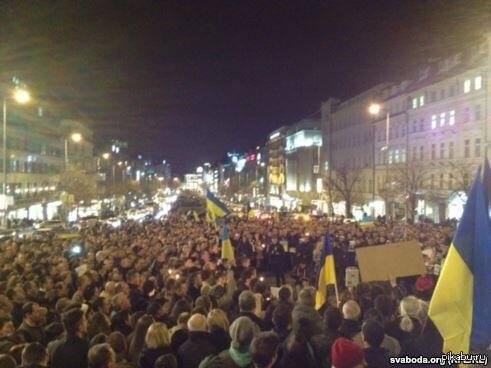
point(217, 318)
point(157, 336)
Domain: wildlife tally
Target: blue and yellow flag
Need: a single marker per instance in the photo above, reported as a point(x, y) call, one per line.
point(227, 249)
point(215, 207)
point(460, 307)
point(327, 272)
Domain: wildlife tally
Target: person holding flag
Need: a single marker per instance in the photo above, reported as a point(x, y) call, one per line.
point(327, 273)
point(460, 309)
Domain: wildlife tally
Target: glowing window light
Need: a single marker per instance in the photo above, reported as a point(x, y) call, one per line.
point(451, 117)
point(478, 82)
point(442, 119)
point(467, 86)
point(433, 121)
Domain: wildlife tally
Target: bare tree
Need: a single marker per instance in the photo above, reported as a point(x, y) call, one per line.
point(79, 184)
point(410, 180)
point(343, 185)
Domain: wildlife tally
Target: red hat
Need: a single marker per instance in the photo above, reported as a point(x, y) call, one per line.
point(346, 354)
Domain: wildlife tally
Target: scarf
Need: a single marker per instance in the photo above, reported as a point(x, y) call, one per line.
point(241, 358)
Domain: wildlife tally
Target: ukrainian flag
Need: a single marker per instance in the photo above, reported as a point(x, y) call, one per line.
point(227, 249)
point(215, 207)
point(327, 273)
point(460, 308)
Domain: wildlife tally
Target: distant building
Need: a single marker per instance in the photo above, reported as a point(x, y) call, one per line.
point(422, 161)
point(275, 148)
point(303, 144)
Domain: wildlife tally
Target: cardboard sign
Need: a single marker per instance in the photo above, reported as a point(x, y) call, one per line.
point(385, 262)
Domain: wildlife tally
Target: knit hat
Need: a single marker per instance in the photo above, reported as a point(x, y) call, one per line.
point(242, 331)
point(346, 354)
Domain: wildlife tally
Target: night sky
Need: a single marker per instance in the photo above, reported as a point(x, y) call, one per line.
point(190, 80)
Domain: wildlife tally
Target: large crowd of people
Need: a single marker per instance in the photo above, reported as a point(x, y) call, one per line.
point(158, 294)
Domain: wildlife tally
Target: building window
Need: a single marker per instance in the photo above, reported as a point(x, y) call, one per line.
point(421, 153)
point(415, 103)
point(450, 150)
point(450, 181)
point(442, 180)
point(467, 86)
point(396, 156)
point(421, 124)
point(422, 100)
point(403, 130)
point(415, 153)
point(465, 180)
point(478, 82)
point(477, 112)
point(477, 147)
point(403, 155)
point(442, 150)
point(391, 156)
point(466, 148)
point(415, 128)
point(451, 117)
point(432, 181)
point(433, 121)
point(442, 119)
point(433, 151)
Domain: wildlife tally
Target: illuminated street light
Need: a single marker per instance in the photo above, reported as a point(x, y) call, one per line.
point(76, 137)
point(21, 96)
point(106, 155)
point(374, 109)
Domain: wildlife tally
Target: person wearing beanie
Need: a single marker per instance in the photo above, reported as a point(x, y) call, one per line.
point(242, 331)
point(346, 354)
point(373, 336)
point(408, 325)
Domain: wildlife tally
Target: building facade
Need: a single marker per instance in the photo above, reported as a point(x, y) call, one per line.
point(417, 156)
point(303, 144)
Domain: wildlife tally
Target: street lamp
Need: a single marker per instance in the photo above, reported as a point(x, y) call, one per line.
point(76, 138)
point(20, 96)
point(375, 109)
point(106, 155)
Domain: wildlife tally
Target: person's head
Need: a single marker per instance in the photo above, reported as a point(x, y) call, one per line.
point(307, 297)
point(373, 333)
point(351, 310)
point(6, 326)
point(102, 356)
point(285, 293)
point(197, 323)
point(242, 331)
point(118, 342)
point(217, 319)
point(98, 323)
point(333, 318)
point(157, 336)
point(120, 302)
point(264, 349)
point(247, 301)
point(6, 361)
point(99, 338)
point(347, 354)
point(33, 314)
point(409, 309)
point(385, 305)
point(166, 361)
point(74, 322)
point(282, 317)
point(34, 354)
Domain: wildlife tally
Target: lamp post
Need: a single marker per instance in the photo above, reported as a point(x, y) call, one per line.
point(375, 109)
point(21, 96)
point(76, 138)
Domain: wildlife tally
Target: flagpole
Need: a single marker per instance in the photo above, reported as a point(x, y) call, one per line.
point(337, 293)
